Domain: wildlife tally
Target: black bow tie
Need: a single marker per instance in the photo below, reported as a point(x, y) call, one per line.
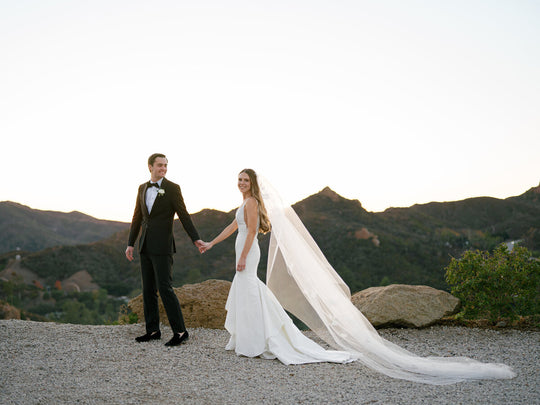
point(153, 185)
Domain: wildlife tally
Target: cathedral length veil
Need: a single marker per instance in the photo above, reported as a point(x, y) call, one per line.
point(307, 286)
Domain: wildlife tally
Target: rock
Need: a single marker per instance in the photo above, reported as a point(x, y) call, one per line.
point(203, 304)
point(9, 312)
point(405, 305)
point(363, 233)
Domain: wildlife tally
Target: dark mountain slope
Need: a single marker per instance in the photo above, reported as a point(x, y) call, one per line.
point(400, 245)
point(32, 230)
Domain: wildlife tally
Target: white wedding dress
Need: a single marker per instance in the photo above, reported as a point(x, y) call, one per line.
point(307, 286)
point(258, 324)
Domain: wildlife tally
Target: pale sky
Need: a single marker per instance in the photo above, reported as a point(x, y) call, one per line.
point(389, 102)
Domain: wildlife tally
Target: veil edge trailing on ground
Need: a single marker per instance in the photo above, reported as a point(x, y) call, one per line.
point(307, 286)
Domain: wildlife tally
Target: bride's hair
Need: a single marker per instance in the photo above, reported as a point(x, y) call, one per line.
point(264, 222)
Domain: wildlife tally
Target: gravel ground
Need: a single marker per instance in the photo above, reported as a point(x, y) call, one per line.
point(48, 363)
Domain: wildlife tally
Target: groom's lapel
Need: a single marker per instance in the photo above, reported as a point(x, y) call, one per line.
point(157, 201)
point(143, 199)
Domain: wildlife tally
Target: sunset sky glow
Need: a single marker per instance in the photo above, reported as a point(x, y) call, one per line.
point(391, 102)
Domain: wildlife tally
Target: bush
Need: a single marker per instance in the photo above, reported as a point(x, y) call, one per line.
point(42, 308)
point(502, 285)
point(126, 317)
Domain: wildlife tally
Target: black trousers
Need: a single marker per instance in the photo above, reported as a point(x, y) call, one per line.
point(157, 276)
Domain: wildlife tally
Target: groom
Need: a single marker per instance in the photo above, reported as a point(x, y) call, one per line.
point(157, 202)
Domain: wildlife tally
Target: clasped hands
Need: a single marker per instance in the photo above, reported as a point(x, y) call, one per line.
point(203, 246)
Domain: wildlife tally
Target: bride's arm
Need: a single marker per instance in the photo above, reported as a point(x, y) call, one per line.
point(228, 231)
point(251, 214)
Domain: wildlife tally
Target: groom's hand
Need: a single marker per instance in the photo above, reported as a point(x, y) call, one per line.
point(203, 246)
point(129, 253)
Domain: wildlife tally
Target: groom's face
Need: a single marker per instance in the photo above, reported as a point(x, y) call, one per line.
point(159, 169)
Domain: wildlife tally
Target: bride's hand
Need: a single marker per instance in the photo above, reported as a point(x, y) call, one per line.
point(241, 264)
point(205, 247)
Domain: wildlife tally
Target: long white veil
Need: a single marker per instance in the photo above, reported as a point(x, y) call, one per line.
point(307, 286)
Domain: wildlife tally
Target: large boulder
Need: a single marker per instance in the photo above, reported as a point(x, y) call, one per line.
point(405, 305)
point(203, 304)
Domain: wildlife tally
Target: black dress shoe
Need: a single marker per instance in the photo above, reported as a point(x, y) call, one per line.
point(177, 339)
point(149, 336)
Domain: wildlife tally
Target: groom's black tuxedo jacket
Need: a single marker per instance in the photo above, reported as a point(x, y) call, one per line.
point(157, 226)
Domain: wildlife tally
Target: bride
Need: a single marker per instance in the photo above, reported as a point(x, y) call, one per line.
point(300, 280)
point(258, 324)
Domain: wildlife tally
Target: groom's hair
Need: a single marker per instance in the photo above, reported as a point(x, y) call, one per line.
point(153, 158)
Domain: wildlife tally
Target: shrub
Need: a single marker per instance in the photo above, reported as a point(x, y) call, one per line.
point(501, 285)
point(126, 317)
point(42, 308)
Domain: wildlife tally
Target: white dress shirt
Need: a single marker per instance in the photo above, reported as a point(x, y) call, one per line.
point(151, 194)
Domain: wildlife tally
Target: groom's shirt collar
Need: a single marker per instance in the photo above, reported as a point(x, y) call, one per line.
point(151, 194)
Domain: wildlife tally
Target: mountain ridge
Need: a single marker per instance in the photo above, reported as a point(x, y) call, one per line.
point(400, 245)
point(32, 229)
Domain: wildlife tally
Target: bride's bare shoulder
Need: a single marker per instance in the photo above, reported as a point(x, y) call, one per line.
point(251, 202)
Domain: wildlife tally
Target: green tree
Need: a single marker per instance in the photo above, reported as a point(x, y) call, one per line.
point(385, 281)
point(76, 312)
point(7, 289)
point(500, 285)
point(13, 291)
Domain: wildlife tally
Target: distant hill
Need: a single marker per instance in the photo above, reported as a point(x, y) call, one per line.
point(33, 230)
point(105, 261)
point(415, 244)
point(400, 245)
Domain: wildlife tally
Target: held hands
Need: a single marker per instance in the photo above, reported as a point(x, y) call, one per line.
point(203, 246)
